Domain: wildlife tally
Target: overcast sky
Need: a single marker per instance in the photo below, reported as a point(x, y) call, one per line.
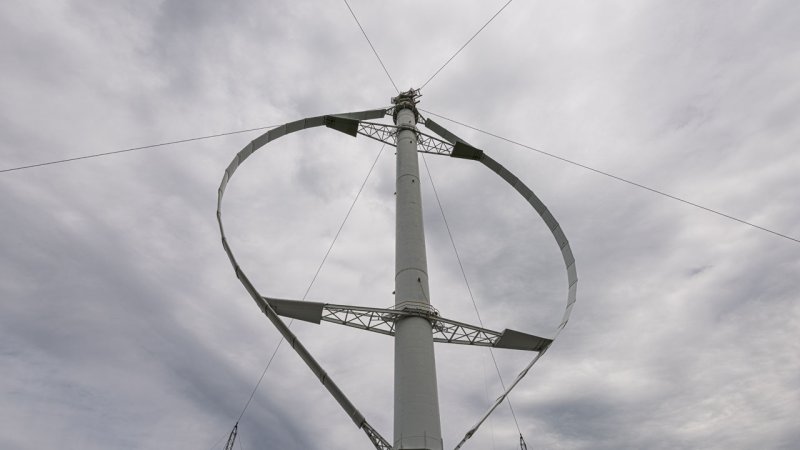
point(123, 326)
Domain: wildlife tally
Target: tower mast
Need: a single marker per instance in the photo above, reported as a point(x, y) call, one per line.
point(416, 399)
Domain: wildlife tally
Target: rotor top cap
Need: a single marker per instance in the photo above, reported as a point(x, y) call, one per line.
point(406, 100)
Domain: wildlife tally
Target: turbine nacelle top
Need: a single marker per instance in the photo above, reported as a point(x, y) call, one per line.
point(406, 100)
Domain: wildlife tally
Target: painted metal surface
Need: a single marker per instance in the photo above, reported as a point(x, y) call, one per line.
point(416, 396)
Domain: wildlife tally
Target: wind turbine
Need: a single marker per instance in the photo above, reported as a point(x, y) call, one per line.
point(413, 321)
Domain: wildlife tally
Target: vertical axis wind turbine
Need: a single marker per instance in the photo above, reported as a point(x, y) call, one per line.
point(413, 321)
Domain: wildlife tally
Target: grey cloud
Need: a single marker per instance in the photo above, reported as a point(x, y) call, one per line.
point(122, 324)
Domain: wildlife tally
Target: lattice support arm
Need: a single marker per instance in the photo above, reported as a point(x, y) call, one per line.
point(382, 320)
point(388, 135)
point(377, 440)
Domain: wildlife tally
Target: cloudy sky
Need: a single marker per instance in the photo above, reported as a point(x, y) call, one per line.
point(123, 326)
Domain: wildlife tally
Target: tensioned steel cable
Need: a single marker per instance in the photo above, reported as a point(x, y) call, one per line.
point(488, 402)
point(143, 147)
point(469, 289)
point(624, 180)
point(466, 43)
point(313, 279)
point(371, 46)
point(261, 378)
point(218, 441)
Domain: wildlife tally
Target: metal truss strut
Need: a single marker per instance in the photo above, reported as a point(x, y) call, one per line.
point(377, 440)
point(383, 320)
point(388, 135)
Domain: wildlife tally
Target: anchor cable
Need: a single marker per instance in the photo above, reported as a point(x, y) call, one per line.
point(213, 446)
point(143, 147)
point(371, 46)
point(466, 43)
point(624, 180)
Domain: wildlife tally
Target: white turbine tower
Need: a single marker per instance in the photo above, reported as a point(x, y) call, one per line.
point(413, 321)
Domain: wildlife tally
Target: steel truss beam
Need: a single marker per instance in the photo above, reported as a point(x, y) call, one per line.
point(388, 135)
point(377, 440)
point(382, 320)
